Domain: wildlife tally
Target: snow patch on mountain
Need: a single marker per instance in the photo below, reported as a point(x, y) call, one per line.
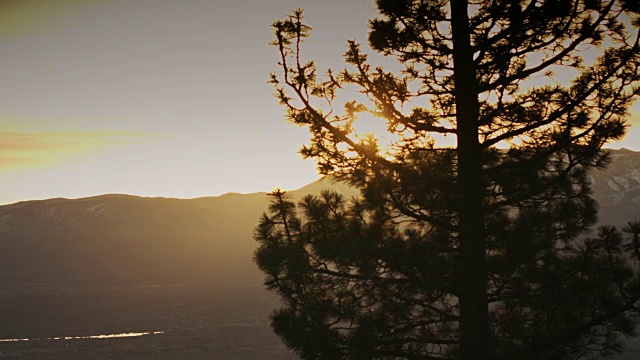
point(612, 185)
point(97, 209)
point(635, 175)
point(622, 181)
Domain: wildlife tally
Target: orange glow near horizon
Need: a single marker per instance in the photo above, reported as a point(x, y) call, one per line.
point(160, 98)
point(24, 150)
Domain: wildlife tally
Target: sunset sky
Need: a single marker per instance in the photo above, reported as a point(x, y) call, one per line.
point(157, 97)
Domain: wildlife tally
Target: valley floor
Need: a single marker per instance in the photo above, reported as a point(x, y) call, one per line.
point(197, 321)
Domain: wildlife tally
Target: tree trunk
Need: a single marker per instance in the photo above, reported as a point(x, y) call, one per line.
point(472, 269)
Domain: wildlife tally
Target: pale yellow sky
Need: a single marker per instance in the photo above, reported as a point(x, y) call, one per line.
point(184, 83)
point(157, 97)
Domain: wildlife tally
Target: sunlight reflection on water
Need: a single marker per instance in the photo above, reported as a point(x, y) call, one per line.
point(104, 336)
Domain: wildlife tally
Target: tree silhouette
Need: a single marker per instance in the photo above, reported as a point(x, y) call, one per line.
point(478, 250)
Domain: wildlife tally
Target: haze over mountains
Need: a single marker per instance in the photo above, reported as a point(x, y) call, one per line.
point(123, 238)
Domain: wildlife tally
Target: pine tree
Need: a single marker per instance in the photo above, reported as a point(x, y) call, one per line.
point(480, 250)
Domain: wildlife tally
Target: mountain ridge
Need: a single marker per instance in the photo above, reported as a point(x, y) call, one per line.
point(141, 239)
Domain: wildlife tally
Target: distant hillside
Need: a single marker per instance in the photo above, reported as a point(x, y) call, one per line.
point(617, 188)
point(122, 238)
